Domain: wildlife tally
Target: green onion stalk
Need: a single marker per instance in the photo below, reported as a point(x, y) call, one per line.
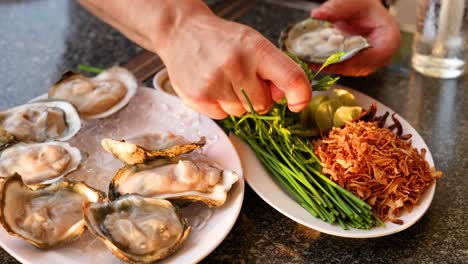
point(284, 148)
point(89, 69)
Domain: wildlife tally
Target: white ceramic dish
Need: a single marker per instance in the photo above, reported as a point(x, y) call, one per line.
point(148, 111)
point(272, 192)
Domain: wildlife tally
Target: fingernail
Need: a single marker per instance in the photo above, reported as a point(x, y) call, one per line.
point(297, 107)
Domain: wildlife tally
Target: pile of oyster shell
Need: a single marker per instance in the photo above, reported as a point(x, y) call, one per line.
point(138, 221)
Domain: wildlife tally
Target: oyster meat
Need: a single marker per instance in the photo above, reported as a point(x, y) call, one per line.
point(41, 121)
point(39, 163)
point(96, 97)
point(137, 229)
point(46, 217)
point(150, 146)
point(315, 40)
point(175, 180)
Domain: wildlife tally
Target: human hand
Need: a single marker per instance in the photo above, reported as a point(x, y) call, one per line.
point(369, 19)
point(209, 61)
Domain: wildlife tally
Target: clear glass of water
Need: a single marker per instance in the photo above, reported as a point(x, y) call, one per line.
point(440, 46)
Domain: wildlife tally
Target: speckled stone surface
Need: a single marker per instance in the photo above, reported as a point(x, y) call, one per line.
point(40, 38)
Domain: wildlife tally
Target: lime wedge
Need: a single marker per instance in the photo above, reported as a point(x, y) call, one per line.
point(324, 114)
point(344, 114)
point(344, 97)
point(307, 115)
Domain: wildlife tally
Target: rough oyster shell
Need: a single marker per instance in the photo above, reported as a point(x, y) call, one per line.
point(150, 147)
point(137, 229)
point(46, 217)
point(174, 180)
point(6, 139)
point(315, 40)
point(39, 163)
point(41, 121)
point(96, 97)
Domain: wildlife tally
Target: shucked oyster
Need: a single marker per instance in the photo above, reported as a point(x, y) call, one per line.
point(39, 163)
point(182, 180)
point(150, 146)
point(41, 121)
point(315, 40)
point(137, 229)
point(46, 217)
point(96, 97)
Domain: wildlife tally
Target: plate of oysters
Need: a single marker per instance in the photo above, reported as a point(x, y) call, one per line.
point(101, 170)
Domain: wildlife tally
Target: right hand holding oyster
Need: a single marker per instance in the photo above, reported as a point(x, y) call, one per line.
point(367, 18)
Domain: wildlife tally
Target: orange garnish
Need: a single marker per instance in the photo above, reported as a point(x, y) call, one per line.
point(376, 165)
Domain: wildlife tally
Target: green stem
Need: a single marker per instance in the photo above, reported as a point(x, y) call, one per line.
point(89, 69)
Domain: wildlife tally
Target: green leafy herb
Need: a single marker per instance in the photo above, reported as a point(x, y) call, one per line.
point(324, 83)
point(89, 69)
point(331, 60)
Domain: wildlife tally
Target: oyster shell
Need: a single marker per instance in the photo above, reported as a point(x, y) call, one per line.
point(46, 217)
point(96, 97)
point(41, 121)
point(315, 40)
point(39, 163)
point(6, 139)
point(174, 180)
point(137, 229)
point(150, 146)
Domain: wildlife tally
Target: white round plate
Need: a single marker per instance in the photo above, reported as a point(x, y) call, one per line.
point(271, 191)
point(149, 111)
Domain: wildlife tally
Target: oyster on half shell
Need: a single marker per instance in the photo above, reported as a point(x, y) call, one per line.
point(137, 229)
point(41, 121)
point(315, 40)
point(149, 147)
point(46, 217)
point(39, 163)
point(96, 97)
point(174, 180)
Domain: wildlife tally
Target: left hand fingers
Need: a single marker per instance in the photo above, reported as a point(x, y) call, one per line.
point(230, 103)
point(258, 93)
point(276, 94)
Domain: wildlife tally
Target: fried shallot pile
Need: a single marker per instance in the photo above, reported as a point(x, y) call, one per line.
point(376, 165)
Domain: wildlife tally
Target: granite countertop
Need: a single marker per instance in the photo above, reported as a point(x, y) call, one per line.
point(41, 38)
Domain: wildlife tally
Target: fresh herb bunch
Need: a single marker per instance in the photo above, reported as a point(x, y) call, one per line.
point(282, 144)
point(325, 82)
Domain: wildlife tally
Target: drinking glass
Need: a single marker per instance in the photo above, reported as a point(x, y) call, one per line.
point(439, 47)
